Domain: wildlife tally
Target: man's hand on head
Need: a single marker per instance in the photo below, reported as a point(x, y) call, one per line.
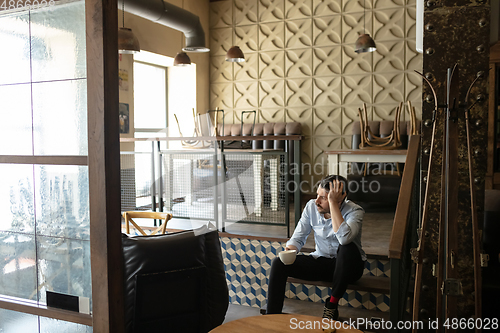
point(336, 193)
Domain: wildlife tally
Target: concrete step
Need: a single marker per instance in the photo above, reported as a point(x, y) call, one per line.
point(368, 283)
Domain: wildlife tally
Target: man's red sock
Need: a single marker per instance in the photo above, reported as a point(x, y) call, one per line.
point(334, 300)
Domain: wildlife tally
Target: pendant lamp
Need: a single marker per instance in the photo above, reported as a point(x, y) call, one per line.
point(364, 43)
point(127, 42)
point(234, 54)
point(182, 59)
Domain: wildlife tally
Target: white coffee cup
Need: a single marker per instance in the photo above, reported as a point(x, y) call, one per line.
point(288, 257)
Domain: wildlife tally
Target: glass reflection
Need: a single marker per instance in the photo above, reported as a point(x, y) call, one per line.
point(15, 60)
point(62, 201)
point(58, 44)
point(60, 117)
point(63, 266)
point(16, 124)
point(17, 265)
point(15, 322)
point(17, 198)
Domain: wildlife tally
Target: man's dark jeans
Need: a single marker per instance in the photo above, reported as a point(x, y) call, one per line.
point(347, 268)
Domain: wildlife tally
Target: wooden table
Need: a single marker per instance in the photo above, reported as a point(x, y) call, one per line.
point(338, 159)
point(277, 323)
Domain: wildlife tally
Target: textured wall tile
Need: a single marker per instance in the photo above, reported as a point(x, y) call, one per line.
point(327, 31)
point(388, 88)
point(326, 7)
point(298, 33)
point(386, 112)
point(245, 95)
point(245, 12)
point(221, 14)
point(221, 95)
point(272, 36)
point(220, 41)
point(413, 58)
point(298, 9)
point(327, 91)
point(353, 63)
point(247, 116)
point(357, 89)
point(298, 63)
point(411, 25)
point(349, 6)
point(350, 115)
point(388, 24)
point(303, 116)
point(389, 57)
point(298, 92)
point(246, 37)
point(353, 26)
point(248, 69)
point(271, 10)
point(272, 93)
point(413, 83)
point(327, 61)
point(271, 115)
point(392, 3)
point(327, 120)
point(320, 145)
point(221, 71)
point(272, 65)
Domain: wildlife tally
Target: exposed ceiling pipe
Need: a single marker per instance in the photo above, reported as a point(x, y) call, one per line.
point(173, 17)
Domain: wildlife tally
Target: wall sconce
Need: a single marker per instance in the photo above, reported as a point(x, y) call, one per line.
point(234, 54)
point(127, 42)
point(364, 43)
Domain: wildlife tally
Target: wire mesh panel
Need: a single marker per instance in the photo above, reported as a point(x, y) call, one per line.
point(135, 172)
point(189, 184)
point(255, 187)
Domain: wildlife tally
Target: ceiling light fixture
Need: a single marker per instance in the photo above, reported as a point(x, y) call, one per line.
point(234, 54)
point(182, 59)
point(364, 43)
point(127, 42)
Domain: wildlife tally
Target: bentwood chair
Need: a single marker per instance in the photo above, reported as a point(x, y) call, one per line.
point(130, 215)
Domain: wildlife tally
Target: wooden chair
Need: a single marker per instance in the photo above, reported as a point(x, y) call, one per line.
point(130, 215)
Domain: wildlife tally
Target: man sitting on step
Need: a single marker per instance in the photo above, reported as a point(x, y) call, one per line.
point(338, 255)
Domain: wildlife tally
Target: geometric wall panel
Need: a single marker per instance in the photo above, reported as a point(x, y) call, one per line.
point(389, 24)
point(272, 93)
point(246, 38)
point(301, 65)
point(271, 10)
point(298, 63)
point(248, 69)
point(245, 12)
point(327, 31)
point(327, 7)
point(298, 9)
point(272, 65)
point(298, 34)
point(327, 61)
point(388, 88)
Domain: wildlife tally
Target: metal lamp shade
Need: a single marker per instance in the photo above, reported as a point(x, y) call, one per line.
point(234, 54)
point(182, 59)
point(127, 42)
point(365, 44)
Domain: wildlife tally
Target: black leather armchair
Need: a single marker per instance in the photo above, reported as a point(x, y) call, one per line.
point(174, 282)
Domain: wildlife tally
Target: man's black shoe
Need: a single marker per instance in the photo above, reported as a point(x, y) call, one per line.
point(330, 310)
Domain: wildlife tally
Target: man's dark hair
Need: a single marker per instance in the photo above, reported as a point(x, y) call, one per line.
point(325, 183)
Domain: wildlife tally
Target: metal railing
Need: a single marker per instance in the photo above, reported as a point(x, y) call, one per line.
point(404, 234)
